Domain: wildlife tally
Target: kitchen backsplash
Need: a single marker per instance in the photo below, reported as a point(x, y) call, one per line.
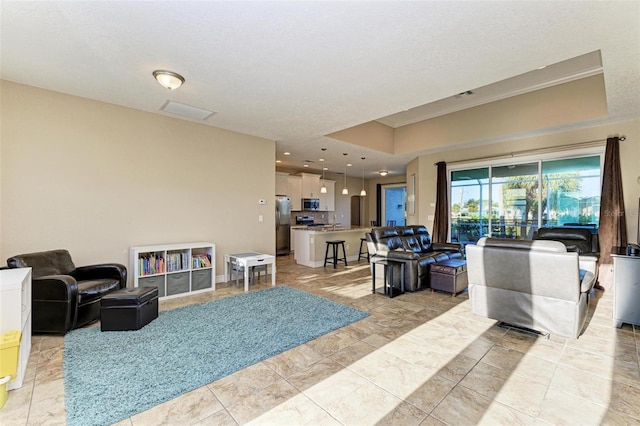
point(318, 216)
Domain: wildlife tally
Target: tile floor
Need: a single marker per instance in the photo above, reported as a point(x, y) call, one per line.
point(420, 359)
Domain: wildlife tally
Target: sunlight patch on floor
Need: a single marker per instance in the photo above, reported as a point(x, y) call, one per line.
point(353, 291)
point(377, 383)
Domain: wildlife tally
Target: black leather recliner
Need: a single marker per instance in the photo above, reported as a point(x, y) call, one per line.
point(64, 296)
point(581, 240)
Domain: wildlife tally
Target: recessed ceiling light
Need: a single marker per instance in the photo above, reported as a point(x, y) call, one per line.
point(287, 153)
point(383, 172)
point(320, 159)
point(278, 161)
point(305, 165)
point(349, 164)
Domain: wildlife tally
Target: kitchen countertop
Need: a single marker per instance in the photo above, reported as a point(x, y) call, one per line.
point(310, 243)
point(330, 228)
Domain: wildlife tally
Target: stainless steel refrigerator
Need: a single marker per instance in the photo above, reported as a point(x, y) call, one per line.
point(283, 224)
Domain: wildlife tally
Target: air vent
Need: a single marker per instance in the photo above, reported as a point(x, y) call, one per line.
point(464, 94)
point(185, 110)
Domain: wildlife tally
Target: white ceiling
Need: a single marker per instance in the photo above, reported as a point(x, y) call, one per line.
point(295, 71)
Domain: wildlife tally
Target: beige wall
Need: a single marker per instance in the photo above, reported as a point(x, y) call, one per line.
point(97, 178)
point(629, 153)
point(372, 135)
point(576, 101)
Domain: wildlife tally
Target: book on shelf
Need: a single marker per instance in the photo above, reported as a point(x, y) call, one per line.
point(177, 262)
point(150, 264)
point(201, 260)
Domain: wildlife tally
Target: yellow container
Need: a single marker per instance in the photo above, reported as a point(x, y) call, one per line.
point(4, 393)
point(9, 347)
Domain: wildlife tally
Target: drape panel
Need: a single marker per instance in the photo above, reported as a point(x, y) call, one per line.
point(612, 230)
point(441, 218)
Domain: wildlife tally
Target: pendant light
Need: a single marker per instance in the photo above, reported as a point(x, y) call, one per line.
point(345, 191)
point(363, 193)
point(323, 189)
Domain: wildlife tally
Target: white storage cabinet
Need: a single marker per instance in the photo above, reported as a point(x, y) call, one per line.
point(295, 192)
point(310, 185)
point(176, 269)
point(15, 314)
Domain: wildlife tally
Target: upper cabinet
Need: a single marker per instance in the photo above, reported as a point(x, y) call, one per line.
point(328, 200)
point(305, 185)
point(310, 185)
point(282, 183)
point(294, 191)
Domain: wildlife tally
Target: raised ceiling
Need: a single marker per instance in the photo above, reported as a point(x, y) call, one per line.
point(294, 72)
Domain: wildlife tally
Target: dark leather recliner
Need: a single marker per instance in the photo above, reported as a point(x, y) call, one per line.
point(412, 245)
point(580, 240)
point(64, 296)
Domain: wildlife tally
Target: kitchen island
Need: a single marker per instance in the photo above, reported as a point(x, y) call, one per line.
point(310, 243)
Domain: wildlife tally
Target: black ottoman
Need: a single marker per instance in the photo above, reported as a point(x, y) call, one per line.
point(449, 275)
point(128, 309)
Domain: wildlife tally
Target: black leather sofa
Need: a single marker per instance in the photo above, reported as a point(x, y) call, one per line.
point(64, 296)
point(584, 241)
point(412, 245)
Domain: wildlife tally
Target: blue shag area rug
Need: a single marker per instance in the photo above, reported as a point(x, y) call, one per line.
point(110, 376)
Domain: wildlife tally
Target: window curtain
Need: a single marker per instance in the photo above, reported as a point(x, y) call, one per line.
point(441, 218)
point(612, 230)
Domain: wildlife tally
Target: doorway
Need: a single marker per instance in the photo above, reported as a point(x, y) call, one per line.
point(394, 204)
point(355, 210)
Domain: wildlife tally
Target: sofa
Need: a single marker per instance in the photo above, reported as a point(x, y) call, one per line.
point(64, 296)
point(413, 246)
point(584, 241)
point(534, 284)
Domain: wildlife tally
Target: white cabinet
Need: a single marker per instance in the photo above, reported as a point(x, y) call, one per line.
point(310, 185)
point(295, 192)
point(15, 314)
point(282, 183)
point(328, 200)
point(176, 269)
point(626, 290)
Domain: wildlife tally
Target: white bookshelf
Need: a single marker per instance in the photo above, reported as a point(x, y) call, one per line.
point(15, 314)
point(175, 269)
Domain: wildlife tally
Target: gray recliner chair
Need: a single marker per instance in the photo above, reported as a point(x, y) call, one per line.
point(532, 284)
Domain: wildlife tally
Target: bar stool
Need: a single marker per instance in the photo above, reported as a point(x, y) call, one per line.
point(335, 246)
point(364, 253)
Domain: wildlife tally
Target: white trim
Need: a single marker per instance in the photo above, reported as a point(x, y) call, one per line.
point(528, 157)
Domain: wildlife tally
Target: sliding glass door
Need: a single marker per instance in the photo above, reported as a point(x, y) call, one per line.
point(470, 205)
point(513, 200)
point(515, 197)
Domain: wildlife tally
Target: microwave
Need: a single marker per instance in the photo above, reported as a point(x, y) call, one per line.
point(310, 204)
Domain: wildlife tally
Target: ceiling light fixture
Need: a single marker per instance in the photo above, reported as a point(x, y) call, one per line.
point(345, 191)
point(383, 172)
point(363, 193)
point(323, 188)
point(168, 79)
